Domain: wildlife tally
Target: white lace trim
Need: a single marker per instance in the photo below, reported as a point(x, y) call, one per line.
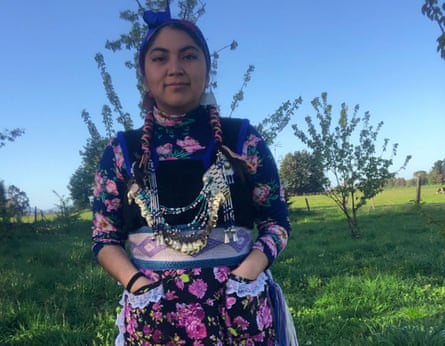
point(243, 289)
point(142, 300)
point(121, 325)
point(136, 301)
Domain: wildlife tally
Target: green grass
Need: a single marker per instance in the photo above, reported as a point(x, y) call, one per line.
point(52, 292)
point(387, 288)
point(389, 197)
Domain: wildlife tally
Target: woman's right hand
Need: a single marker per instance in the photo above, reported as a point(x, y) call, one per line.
point(115, 261)
point(140, 284)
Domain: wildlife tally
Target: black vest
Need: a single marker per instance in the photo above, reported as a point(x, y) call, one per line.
point(179, 182)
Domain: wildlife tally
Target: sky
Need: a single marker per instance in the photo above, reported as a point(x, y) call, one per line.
point(379, 54)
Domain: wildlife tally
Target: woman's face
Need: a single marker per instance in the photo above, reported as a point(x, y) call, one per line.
point(175, 71)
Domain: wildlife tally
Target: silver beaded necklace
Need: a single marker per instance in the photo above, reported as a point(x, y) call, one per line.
point(215, 194)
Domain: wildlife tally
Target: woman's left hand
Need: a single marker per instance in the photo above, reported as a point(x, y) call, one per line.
point(254, 264)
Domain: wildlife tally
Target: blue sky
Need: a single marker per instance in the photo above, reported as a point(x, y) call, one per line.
point(379, 54)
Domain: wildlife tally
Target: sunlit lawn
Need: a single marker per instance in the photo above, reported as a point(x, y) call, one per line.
point(389, 197)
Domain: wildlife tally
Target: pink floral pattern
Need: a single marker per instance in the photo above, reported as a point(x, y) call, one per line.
point(194, 318)
point(261, 194)
point(98, 181)
point(164, 150)
point(101, 223)
point(251, 153)
point(112, 204)
point(189, 144)
point(111, 188)
point(119, 157)
point(182, 150)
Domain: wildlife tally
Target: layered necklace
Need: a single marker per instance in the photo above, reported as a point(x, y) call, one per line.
point(214, 195)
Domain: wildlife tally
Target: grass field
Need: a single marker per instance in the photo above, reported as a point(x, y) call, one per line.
point(387, 288)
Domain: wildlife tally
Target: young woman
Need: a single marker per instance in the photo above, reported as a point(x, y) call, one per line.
point(184, 193)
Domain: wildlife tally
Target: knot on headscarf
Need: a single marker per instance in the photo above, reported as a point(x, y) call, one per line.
point(155, 19)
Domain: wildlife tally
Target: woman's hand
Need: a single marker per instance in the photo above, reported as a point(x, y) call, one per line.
point(140, 283)
point(115, 261)
point(252, 266)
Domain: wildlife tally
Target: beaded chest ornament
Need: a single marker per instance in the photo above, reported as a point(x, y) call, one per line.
point(215, 194)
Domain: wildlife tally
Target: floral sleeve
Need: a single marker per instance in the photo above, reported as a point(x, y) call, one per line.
point(271, 214)
point(108, 191)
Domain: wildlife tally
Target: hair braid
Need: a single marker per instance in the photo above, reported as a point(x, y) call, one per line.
point(239, 164)
point(147, 131)
point(215, 123)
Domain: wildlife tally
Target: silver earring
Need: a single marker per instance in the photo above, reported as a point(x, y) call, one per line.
point(207, 97)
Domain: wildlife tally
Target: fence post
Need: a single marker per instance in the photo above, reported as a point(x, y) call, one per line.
point(307, 204)
point(418, 188)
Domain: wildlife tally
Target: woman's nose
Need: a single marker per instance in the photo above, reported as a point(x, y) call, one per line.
point(175, 66)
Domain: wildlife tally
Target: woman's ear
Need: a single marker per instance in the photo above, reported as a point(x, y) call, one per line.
point(145, 86)
point(147, 100)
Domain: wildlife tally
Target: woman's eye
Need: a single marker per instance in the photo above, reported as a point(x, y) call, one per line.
point(190, 57)
point(158, 59)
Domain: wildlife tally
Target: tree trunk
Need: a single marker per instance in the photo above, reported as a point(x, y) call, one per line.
point(353, 225)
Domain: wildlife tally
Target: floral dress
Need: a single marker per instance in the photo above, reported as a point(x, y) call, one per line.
point(197, 305)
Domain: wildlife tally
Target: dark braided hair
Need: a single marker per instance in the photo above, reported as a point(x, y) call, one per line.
point(239, 165)
point(141, 170)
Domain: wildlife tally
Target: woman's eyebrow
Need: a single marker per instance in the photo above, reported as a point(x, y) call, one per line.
point(165, 50)
point(188, 47)
point(158, 49)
